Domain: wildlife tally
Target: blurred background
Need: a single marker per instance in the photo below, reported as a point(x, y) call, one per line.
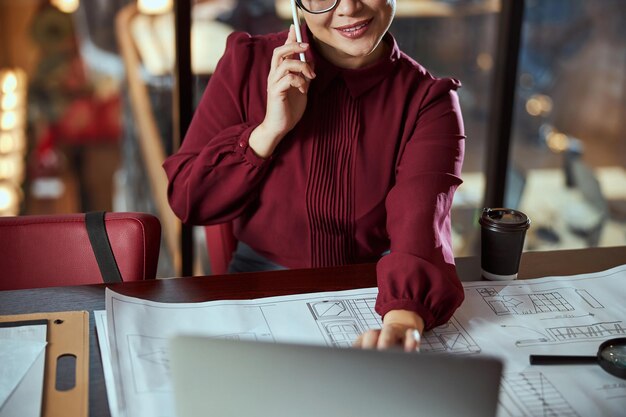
point(87, 107)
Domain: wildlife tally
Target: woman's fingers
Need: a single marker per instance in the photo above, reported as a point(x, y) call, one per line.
point(289, 49)
point(286, 51)
point(287, 72)
point(367, 340)
point(389, 337)
point(399, 336)
point(412, 340)
point(291, 35)
point(384, 338)
point(292, 81)
point(292, 66)
point(290, 73)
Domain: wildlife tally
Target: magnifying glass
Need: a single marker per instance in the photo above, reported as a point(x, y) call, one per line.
point(611, 357)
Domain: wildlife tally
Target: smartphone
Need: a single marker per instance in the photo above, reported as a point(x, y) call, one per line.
point(296, 24)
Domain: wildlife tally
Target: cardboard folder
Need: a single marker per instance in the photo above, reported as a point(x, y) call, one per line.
point(68, 334)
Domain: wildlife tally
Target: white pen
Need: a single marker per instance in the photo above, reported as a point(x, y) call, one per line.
point(296, 24)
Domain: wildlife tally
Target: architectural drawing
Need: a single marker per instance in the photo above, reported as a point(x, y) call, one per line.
point(531, 394)
point(449, 338)
point(565, 303)
point(151, 355)
point(342, 321)
point(575, 333)
point(589, 299)
point(507, 320)
point(535, 303)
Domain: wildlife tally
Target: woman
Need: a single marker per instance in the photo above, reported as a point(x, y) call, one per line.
point(350, 155)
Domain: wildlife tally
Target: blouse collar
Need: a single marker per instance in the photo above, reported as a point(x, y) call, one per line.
point(358, 80)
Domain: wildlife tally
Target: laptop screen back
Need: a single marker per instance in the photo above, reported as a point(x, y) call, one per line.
point(223, 378)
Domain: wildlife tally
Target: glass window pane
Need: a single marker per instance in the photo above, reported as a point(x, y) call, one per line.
point(569, 150)
point(457, 39)
point(81, 145)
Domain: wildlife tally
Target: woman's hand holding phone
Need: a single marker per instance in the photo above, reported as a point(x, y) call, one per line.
point(287, 87)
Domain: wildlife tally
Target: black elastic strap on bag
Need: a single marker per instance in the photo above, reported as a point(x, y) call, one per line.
point(101, 246)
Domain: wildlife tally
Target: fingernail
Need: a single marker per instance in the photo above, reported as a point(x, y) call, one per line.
point(304, 45)
point(418, 340)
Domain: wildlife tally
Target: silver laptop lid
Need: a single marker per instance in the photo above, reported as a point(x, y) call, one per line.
point(224, 378)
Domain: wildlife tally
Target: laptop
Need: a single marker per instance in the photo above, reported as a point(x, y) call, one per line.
point(232, 378)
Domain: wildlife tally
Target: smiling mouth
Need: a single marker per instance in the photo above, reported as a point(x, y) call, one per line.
point(354, 28)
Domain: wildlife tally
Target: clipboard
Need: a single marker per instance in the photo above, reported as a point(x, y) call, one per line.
point(67, 335)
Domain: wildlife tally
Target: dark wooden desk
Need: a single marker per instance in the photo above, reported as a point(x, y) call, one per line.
point(255, 285)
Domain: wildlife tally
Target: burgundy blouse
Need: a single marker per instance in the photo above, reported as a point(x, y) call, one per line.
point(372, 165)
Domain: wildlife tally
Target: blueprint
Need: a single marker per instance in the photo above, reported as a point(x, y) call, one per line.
point(510, 320)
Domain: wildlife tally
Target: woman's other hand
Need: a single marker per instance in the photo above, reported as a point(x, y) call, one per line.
point(397, 331)
point(287, 87)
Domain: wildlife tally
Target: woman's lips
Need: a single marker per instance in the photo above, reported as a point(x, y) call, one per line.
point(354, 31)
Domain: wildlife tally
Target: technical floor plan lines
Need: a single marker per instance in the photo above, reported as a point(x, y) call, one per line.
point(330, 309)
point(510, 320)
point(587, 332)
point(157, 357)
point(577, 333)
point(151, 355)
point(365, 310)
point(341, 333)
point(342, 321)
point(548, 302)
point(512, 304)
point(362, 309)
point(613, 391)
point(533, 395)
point(450, 338)
point(589, 299)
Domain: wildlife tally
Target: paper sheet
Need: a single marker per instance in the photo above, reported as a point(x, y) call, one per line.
point(139, 331)
point(22, 362)
point(556, 315)
point(509, 320)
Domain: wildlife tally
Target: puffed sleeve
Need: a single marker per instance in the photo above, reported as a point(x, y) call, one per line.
point(213, 175)
point(419, 272)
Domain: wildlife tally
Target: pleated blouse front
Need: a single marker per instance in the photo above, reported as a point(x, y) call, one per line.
point(372, 166)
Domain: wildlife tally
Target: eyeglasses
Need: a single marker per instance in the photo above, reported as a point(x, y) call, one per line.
point(317, 6)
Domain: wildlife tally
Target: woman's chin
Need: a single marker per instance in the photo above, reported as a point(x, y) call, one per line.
point(360, 57)
point(351, 53)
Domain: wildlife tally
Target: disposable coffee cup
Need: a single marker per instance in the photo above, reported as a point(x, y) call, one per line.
point(501, 241)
